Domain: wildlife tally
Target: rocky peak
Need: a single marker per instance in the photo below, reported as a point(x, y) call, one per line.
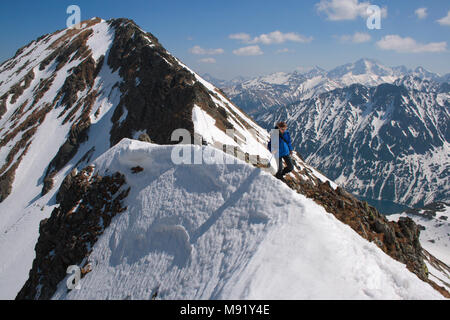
point(360, 67)
point(69, 96)
point(110, 68)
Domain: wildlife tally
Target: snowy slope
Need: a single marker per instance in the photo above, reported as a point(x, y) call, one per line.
point(24, 208)
point(73, 89)
point(217, 231)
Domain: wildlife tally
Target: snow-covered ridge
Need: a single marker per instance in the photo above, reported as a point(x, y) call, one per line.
point(227, 232)
point(64, 83)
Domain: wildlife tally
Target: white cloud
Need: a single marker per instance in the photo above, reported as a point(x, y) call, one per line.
point(358, 37)
point(278, 37)
point(421, 13)
point(409, 45)
point(284, 50)
point(200, 51)
point(445, 21)
point(275, 37)
point(337, 10)
point(248, 51)
point(244, 37)
point(207, 60)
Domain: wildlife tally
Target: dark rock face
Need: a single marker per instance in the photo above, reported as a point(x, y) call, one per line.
point(398, 240)
point(157, 92)
point(438, 265)
point(2, 106)
point(87, 205)
point(6, 181)
point(78, 134)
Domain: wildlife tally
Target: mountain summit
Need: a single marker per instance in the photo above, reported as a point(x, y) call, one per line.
point(67, 97)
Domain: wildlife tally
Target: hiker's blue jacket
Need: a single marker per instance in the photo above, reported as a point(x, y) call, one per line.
point(284, 143)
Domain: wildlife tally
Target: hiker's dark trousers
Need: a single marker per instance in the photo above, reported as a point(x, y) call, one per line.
point(289, 165)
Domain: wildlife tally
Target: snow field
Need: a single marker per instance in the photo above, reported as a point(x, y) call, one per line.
point(229, 232)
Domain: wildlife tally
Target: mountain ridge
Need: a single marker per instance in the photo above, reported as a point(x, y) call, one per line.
point(72, 95)
point(84, 96)
point(248, 224)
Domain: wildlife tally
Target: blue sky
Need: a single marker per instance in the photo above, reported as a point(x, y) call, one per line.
point(249, 38)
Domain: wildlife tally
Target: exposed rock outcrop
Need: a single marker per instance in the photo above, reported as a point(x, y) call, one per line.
point(400, 240)
point(87, 204)
point(145, 138)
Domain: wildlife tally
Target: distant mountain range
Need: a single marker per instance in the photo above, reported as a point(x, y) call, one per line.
point(281, 88)
point(384, 142)
point(382, 132)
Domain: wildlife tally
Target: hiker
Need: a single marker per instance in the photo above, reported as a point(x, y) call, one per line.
point(285, 150)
